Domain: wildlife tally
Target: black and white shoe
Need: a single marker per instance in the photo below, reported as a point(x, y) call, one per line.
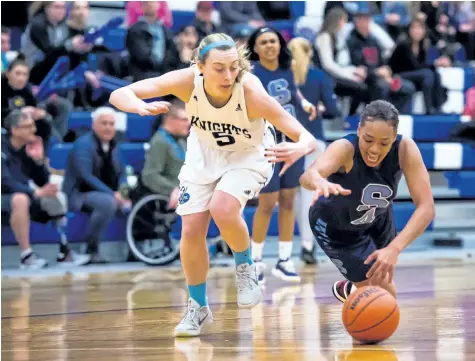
point(308, 256)
point(72, 259)
point(341, 290)
point(32, 261)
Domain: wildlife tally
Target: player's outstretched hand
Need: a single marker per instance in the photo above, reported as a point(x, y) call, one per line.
point(326, 188)
point(285, 152)
point(153, 108)
point(385, 261)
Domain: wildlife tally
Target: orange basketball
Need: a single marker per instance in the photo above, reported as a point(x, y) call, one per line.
point(370, 314)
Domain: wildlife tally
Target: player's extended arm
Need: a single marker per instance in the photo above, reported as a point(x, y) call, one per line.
point(261, 105)
point(129, 98)
point(418, 182)
point(336, 156)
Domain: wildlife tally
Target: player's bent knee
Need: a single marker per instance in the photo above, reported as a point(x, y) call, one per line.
point(20, 202)
point(224, 208)
point(194, 227)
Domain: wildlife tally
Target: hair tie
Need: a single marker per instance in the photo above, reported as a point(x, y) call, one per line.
point(216, 44)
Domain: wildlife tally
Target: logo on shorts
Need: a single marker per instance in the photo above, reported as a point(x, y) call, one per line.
point(339, 265)
point(184, 196)
point(247, 192)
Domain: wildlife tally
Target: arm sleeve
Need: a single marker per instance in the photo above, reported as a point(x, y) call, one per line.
point(38, 173)
point(153, 169)
point(9, 183)
point(83, 163)
point(325, 53)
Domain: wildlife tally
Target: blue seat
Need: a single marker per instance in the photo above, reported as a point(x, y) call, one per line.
point(133, 154)
point(115, 39)
point(136, 127)
point(77, 222)
point(420, 127)
point(463, 181)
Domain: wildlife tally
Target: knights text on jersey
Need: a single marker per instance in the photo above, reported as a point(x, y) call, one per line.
point(225, 128)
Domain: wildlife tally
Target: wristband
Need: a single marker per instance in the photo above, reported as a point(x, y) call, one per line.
point(306, 104)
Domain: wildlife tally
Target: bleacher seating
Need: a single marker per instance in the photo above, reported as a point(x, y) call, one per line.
point(430, 132)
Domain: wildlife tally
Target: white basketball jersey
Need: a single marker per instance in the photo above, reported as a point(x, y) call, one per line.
point(225, 128)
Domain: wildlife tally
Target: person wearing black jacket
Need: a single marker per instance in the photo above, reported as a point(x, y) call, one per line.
point(203, 22)
point(51, 118)
point(409, 60)
point(47, 38)
point(150, 44)
point(23, 161)
point(366, 52)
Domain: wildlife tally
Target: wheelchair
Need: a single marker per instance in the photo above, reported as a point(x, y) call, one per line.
point(149, 228)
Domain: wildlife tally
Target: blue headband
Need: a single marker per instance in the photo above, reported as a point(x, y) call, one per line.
point(216, 44)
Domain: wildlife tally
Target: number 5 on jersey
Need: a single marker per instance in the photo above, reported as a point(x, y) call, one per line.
point(223, 138)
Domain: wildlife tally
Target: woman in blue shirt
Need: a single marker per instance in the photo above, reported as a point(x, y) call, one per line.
point(272, 65)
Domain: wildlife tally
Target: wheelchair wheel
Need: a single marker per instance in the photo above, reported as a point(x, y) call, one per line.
point(148, 231)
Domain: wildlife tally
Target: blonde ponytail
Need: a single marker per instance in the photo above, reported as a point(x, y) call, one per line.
point(302, 52)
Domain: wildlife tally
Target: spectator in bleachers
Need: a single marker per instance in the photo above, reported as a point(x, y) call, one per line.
point(203, 22)
point(51, 116)
point(5, 47)
point(186, 41)
point(78, 24)
point(47, 38)
point(134, 11)
point(274, 10)
point(238, 13)
point(440, 26)
point(166, 155)
point(93, 176)
point(23, 161)
point(333, 56)
point(351, 8)
point(150, 44)
point(394, 17)
point(366, 52)
point(465, 26)
point(409, 61)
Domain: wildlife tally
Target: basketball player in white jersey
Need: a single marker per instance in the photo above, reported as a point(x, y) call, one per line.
point(230, 154)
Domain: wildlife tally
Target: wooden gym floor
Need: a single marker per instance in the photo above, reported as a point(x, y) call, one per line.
point(131, 315)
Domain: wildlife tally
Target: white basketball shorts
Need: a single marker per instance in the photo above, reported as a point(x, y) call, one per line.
point(240, 174)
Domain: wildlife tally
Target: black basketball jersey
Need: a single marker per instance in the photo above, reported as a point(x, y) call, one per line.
point(372, 191)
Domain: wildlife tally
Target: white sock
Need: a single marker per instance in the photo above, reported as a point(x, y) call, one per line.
point(353, 288)
point(285, 250)
point(308, 244)
point(25, 253)
point(256, 250)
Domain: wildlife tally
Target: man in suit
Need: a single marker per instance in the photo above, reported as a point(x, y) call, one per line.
point(94, 174)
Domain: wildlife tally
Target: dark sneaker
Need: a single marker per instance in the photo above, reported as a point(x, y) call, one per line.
point(341, 290)
point(32, 261)
point(308, 256)
point(285, 270)
point(72, 259)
